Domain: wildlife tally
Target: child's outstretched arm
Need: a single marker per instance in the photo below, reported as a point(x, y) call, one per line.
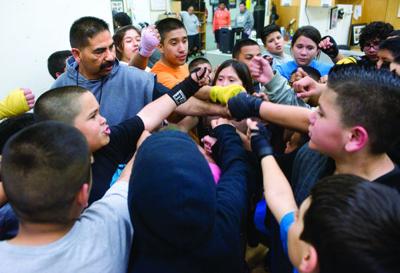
point(277, 191)
point(155, 112)
point(293, 117)
point(17, 102)
point(150, 39)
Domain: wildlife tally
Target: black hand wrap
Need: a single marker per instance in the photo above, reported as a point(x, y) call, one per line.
point(184, 90)
point(332, 51)
point(261, 141)
point(244, 106)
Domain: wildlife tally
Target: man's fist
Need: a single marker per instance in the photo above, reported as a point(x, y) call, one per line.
point(222, 94)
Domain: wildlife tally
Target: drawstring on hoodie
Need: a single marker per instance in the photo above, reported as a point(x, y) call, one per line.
point(101, 85)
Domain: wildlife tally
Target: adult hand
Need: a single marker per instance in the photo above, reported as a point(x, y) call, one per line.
point(222, 94)
point(244, 106)
point(189, 86)
point(150, 39)
point(261, 70)
point(201, 75)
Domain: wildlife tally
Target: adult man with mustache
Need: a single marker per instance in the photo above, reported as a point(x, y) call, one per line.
point(122, 91)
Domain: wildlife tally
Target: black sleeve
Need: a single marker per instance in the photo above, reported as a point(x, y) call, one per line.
point(231, 190)
point(123, 139)
point(159, 90)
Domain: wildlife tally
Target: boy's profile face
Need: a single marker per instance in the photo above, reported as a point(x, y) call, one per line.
point(247, 53)
point(326, 131)
point(274, 43)
point(175, 47)
point(92, 125)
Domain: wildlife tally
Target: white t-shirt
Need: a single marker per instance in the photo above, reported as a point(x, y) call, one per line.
point(191, 23)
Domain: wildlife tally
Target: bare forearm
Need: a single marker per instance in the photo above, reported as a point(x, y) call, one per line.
point(155, 112)
point(277, 191)
point(292, 117)
point(338, 58)
point(203, 93)
point(139, 61)
point(196, 107)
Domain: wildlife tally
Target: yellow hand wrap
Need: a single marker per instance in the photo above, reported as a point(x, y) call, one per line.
point(222, 94)
point(14, 104)
point(348, 60)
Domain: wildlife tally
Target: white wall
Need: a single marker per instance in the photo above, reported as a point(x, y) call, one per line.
point(142, 12)
point(320, 18)
point(31, 31)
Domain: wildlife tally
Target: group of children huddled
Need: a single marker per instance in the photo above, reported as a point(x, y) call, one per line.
point(201, 148)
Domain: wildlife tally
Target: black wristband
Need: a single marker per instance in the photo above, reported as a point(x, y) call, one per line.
point(261, 141)
point(333, 51)
point(184, 90)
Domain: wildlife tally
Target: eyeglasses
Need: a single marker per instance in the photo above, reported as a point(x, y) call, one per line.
point(374, 44)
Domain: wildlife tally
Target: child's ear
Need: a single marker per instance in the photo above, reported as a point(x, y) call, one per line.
point(161, 47)
point(76, 53)
point(309, 262)
point(358, 139)
point(83, 195)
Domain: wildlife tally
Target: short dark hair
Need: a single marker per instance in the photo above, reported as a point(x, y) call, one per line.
point(59, 104)
point(119, 38)
point(395, 33)
point(242, 71)
point(56, 62)
point(168, 24)
point(43, 167)
point(354, 225)
point(370, 98)
point(267, 30)
point(85, 28)
point(121, 19)
point(197, 61)
point(13, 125)
point(375, 30)
point(392, 45)
point(311, 71)
point(307, 31)
point(242, 43)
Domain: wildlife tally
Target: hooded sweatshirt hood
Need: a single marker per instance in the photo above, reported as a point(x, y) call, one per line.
point(182, 221)
point(172, 192)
